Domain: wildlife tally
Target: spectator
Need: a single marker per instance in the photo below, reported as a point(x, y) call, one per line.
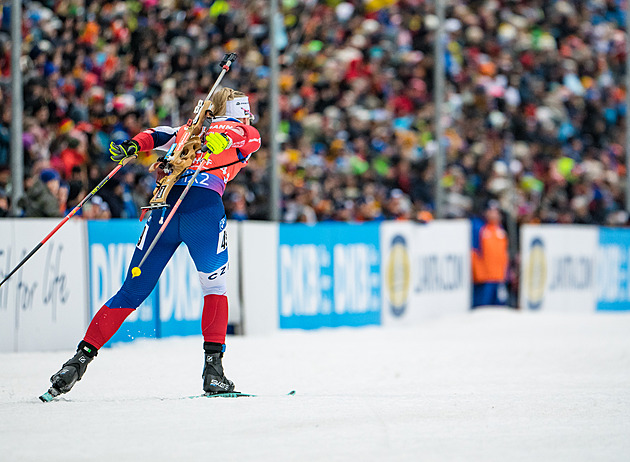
point(70, 157)
point(490, 259)
point(398, 206)
point(4, 204)
point(97, 209)
point(42, 198)
point(5, 133)
point(112, 194)
point(368, 209)
point(131, 209)
point(5, 177)
point(76, 193)
point(236, 206)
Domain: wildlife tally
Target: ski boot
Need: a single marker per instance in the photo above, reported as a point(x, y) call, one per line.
point(72, 370)
point(214, 380)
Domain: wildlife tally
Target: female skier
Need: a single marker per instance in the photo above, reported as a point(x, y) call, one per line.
point(199, 222)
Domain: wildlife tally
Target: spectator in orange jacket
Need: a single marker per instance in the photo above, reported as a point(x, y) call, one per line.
point(490, 259)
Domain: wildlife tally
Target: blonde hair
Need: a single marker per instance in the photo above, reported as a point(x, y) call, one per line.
point(221, 97)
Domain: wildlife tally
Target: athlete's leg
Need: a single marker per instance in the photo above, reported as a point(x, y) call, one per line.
point(204, 232)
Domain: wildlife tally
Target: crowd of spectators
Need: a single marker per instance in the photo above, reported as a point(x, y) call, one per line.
point(534, 99)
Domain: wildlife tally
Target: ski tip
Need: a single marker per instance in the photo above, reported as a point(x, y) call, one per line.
point(46, 397)
point(49, 395)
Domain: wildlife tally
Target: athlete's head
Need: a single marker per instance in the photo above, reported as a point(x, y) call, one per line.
point(227, 102)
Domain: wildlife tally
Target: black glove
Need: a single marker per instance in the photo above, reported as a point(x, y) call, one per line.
point(120, 152)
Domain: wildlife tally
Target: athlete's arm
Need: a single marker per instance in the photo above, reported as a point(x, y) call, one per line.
point(161, 137)
point(252, 141)
point(246, 140)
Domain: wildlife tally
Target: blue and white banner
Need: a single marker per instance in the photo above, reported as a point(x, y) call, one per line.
point(111, 246)
point(329, 275)
point(558, 267)
point(426, 270)
point(613, 269)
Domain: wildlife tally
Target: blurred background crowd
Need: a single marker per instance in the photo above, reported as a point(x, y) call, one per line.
point(535, 104)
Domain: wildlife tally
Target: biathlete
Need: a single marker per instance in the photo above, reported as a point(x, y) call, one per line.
point(200, 223)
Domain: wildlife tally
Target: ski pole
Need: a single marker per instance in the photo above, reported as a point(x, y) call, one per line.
point(136, 271)
point(225, 64)
point(67, 217)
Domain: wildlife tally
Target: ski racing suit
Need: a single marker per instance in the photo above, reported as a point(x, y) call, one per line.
point(199, 222)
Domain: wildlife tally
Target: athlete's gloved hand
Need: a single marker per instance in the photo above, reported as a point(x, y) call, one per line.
point(120, 152)
point(217, 142)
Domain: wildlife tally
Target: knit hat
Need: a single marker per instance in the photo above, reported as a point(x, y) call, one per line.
point(48, 174)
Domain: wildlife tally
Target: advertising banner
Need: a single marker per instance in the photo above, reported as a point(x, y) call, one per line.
point(613, 271)
point(425, 270)
point(43, 305)
point(329, 275)
point(558, 267)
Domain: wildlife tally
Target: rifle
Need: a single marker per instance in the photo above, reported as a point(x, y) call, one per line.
point(183, 152)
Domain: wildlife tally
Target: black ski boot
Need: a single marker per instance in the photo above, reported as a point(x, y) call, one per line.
point(214, 380)
point(73, 369)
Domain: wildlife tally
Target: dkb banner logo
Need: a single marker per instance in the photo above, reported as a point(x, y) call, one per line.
point(329, 275)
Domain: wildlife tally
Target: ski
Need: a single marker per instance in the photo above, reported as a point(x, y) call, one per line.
point(236, 394)
point(51, 394)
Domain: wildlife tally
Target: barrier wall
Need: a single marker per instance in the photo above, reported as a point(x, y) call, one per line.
point(294, 276)
point(43, 305)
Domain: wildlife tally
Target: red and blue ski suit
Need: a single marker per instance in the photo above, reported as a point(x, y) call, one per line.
point(199, 222)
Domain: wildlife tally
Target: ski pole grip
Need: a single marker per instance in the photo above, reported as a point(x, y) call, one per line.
point(228, 60)
point(128, 159)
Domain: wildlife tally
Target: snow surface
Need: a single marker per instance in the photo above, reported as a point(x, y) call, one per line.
point(491, 385)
